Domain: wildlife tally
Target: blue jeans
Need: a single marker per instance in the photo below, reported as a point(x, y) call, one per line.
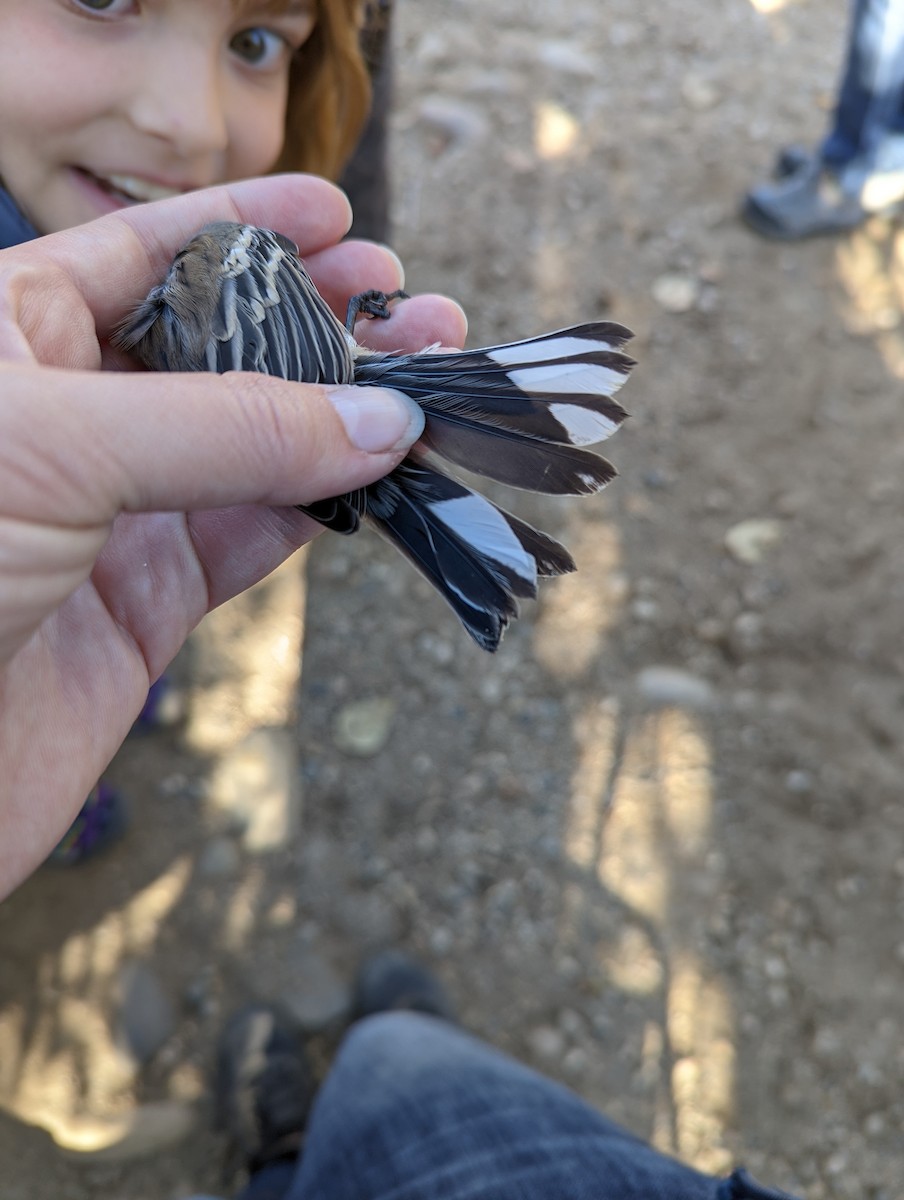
point(867, 134)
point(414, 1109)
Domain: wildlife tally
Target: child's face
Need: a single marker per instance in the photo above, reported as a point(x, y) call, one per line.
point(105, 103)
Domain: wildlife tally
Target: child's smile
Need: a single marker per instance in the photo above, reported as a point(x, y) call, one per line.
point(127, 189)
point(106, 103)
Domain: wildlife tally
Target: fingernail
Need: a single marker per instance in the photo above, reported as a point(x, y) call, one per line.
point(377, 419)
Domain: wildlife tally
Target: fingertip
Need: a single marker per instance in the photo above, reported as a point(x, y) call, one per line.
point(377, 420)
point(397, 262)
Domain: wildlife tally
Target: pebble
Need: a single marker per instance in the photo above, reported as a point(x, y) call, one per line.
point(799, 781)
point(625, 33)
point(575, 1062)
point(362, 728)
point(219, 859)
point(645, 610)
point(147, 1017)
point(318, 998)
point(439, 650)
point(568, 58)
point(750, 541)
point(699, 92)
point(747, 628)
point(672, 686)
point(460, 122)
point(441, 941)
point(676, 293)
point(875, 1124)
point(546, 1043)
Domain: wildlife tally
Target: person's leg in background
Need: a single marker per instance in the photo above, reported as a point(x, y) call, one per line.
point(858, 169)
point(867, 134)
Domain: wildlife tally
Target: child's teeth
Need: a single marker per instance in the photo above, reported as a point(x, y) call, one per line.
point(141, 189)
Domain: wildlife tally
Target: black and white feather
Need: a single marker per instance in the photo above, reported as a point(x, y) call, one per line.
point(239, 298)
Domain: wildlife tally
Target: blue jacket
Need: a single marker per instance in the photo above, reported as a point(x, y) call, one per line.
point(13, 226)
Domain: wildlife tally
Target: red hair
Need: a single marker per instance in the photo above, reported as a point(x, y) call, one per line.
point(329, 93)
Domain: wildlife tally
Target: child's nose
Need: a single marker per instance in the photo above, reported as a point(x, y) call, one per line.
point(182, 102)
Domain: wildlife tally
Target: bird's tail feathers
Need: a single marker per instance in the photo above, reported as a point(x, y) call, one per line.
point(519, 413)
point(481, 559)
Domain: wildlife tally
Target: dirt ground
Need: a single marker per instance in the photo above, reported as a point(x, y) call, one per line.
point(655, 846)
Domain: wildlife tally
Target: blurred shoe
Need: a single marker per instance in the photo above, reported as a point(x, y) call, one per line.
point(264, 1086)
point(393, 982)
point(102, 820)
point(790, 159)
point(807, 202)
point(806, 199)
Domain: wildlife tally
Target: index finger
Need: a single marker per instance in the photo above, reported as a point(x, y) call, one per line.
point(116, 259)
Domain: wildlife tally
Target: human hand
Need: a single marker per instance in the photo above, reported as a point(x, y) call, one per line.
point(132, 504)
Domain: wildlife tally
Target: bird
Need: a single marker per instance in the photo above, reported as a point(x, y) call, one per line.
point(239, 298)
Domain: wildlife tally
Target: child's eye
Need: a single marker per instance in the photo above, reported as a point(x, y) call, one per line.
point(260, 47)
point(103, 6)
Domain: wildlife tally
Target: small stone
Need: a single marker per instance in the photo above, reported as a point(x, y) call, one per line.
point(546, 1043)
point(568, 58)
point(800, 782)
point(571, 1023)
point(147, 1017)
point(575, 1062)
point(439, 650)
point(748, 630)
point(219, 859)
point(491, 689)
point(837, 1163)
point(645, 610)
point(670, 686)
point(441, 941)
point(699, 92)
point(874, 1125)
point(749, 541)
point(625, 33)
point(283, 913)
point(362, 728)
point(456, 120)
point(711, 630)
point(676, 293)
point(319, 999)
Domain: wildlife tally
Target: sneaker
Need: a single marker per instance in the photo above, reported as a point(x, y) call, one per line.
point(805, 202)
point(101, 821)
point(393, 982)
point(790, 160)
point(264, 1086)
point(805, 199)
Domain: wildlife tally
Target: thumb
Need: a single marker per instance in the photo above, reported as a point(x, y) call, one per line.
point(89, 446)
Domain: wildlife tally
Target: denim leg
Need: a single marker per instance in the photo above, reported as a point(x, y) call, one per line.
point(414, 1109)
point(272, 1182)
point(867, 134)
